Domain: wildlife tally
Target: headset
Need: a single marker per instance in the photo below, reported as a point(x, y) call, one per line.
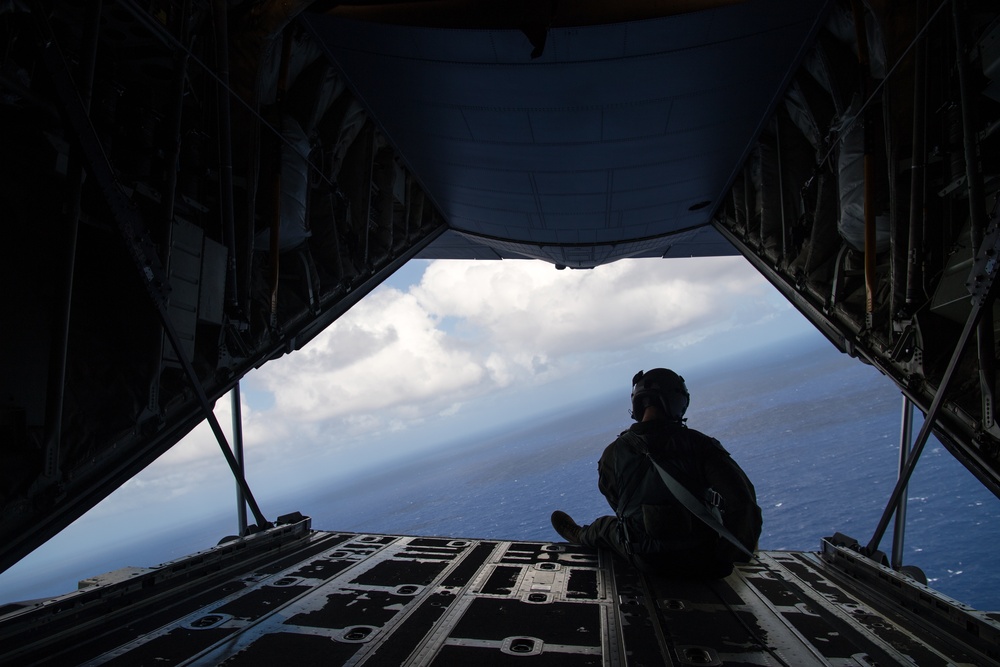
point(660, 387)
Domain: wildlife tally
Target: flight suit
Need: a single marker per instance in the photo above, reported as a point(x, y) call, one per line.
point(663, 535)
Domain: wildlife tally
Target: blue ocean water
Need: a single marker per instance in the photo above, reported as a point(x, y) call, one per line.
point(817, 432)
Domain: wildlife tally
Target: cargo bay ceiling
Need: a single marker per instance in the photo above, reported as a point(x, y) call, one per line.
point(567, 141)
point(191, 189)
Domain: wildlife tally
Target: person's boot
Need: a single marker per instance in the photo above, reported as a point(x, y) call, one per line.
point(566, 527)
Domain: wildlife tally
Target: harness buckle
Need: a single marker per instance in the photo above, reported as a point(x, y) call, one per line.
point(624, 537)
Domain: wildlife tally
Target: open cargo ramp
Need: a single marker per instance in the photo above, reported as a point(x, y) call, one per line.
point(292, 595)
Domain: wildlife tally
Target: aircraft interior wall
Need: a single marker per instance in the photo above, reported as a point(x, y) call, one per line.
point(866, 204)
point(152, 158)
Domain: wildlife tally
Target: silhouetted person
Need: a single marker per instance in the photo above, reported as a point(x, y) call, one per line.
point(655, 524)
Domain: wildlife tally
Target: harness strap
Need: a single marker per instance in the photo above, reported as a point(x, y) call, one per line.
point(623, 500)
point(710, 517)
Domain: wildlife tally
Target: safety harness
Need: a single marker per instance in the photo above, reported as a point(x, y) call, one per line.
point(707, 509)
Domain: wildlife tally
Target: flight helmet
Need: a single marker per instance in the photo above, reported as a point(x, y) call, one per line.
point(661, 387)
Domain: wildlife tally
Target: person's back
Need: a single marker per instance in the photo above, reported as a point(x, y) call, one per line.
point(653, 527)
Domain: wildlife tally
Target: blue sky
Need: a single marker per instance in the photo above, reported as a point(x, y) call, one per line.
point(440, 350)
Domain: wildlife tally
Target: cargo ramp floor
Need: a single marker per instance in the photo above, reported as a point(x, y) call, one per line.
point(295, 596)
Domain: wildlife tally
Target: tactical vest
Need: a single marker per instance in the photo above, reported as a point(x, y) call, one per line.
point(657, 529)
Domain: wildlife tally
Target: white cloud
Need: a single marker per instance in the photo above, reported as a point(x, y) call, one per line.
point(200, 443)
point(386, 352)
point(527, 310)
point(470, 328)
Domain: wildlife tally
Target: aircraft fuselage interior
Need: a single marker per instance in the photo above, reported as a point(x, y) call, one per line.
point(192, 188)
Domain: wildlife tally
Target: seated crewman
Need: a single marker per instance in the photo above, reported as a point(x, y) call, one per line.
point(683, 507)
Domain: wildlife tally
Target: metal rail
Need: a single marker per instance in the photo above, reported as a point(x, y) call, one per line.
point(241, 502)
point(899, 528)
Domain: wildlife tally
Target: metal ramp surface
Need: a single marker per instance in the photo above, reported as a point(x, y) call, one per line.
point(291, 595)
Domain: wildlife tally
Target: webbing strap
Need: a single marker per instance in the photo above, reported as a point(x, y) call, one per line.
point(623, 499)
point(712, 519)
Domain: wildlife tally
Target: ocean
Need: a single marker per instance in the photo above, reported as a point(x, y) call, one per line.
point(816, 431)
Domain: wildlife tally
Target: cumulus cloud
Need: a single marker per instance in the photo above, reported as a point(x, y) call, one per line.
point(386, 352)
point(527, 309)
point(470, 328)
point(200, 443)
point(191, 464)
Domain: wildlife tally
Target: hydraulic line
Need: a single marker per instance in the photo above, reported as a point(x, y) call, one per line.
point(338, 260)
point(176, 115)
point(142, 17)
point(59, 348)
point(220, 13)
point(878, 88)
point(368, 208)
point(781, 189)
point(274, 251)
point(918, 160)
point(869, 162)
point(977, 213)
point(747, 185)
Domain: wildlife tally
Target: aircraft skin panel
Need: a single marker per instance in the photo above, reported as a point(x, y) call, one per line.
point(304, 597)
point(472, 113)
point(697, 242)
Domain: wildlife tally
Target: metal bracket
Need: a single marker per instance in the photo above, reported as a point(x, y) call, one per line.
point(984, 267)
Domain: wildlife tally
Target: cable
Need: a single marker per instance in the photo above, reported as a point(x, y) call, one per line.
point(164, 35)
point(878, 89)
